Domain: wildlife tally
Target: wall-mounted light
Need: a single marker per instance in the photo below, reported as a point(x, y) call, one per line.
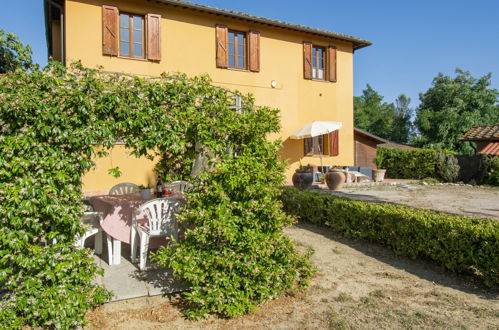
point(273, 83)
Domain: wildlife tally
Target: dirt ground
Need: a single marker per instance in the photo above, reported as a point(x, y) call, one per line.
point(358, 286)
point(474, 201)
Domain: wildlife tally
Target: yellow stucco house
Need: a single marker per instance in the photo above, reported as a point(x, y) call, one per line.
point(305, 72)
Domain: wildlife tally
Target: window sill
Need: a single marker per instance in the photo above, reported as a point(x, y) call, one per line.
point(317, 155)
point(320, 80)
point(133, 58)
point(240, 70)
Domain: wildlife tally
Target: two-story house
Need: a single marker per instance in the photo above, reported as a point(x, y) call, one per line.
point(307, 73)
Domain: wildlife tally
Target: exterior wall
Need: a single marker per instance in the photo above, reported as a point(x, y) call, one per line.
point(133, 169)
point(188, 45)
point(365, 151)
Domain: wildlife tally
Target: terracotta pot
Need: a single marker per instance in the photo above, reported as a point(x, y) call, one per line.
point(303, 180)
point(379, 175)
point(335, 179)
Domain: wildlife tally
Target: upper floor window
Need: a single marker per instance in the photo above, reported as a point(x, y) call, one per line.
point(237, 49)
point(318, 67)
point(319, 62)
point(132, 35)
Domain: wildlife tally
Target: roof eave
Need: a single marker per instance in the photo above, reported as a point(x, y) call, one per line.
point(358, 43)
point(372, 136)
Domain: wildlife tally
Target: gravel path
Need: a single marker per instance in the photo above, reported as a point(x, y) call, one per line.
point(478, 202)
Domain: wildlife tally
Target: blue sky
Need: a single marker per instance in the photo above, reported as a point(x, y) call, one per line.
point(412, 40)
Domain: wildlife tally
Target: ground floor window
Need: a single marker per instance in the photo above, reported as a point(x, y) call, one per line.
point(315, 145)
point(327, 144)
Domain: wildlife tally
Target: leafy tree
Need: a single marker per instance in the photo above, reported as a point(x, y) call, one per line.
point(402, 129)
point(452, 106)
point(372, 114)
point(13, 53)
point(386, 120)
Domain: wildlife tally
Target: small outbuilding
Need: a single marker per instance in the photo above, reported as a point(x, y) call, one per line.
point(366, 145)
point(486, 138)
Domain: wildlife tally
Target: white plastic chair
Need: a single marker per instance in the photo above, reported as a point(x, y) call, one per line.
point(90, 212)
point(124, 189)
point(179, 186)
point(161, 222)
point(91, 221)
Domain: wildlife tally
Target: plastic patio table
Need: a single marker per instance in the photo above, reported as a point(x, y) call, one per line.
point(118, 211)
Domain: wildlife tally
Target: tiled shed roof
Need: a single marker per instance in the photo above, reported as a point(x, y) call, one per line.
point(491, 149)
point(357, 42)
point(382, 142)
point(482, 133)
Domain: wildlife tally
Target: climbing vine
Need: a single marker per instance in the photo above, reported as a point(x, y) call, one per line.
point(53, 123)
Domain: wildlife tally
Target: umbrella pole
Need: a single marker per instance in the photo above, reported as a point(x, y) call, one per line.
point(322, 167)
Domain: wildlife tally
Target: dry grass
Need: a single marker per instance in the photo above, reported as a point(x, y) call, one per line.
point(358, 286)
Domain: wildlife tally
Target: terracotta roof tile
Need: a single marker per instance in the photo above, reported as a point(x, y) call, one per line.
point(484, 132)
point(491, 149)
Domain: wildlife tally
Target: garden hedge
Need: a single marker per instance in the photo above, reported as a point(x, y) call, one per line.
point(409, 164)
point(440, 164)
point(458, 243)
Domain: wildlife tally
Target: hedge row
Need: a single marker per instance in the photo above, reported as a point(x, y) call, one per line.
point(443, 165)
point(460, 244)
point(409, 164)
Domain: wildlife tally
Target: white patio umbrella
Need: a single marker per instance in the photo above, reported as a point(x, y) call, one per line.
point(316, 128)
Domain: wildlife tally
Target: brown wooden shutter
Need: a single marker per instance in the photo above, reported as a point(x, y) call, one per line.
point(334, 143)
point(222, 41)
point(154, 37)
point(110, 30)
point(307, 60)
point(331, 63)
point(254, 51)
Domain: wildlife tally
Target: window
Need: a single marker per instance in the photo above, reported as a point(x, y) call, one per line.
point(318, 62)
point(314, 146)
point(322, 145)
point(132, 35)
point(237, 49)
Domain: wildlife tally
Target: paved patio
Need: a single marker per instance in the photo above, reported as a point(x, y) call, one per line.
point(126, 281)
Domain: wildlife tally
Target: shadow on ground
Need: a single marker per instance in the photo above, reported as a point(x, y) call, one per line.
point(126, 281)
point(423, 268)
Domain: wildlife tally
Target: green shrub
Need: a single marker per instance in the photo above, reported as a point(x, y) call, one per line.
point(460, 244)
point(447, 166)
point(409, 164)
point(237, 256)
point(489, 170)
point(44, 285)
